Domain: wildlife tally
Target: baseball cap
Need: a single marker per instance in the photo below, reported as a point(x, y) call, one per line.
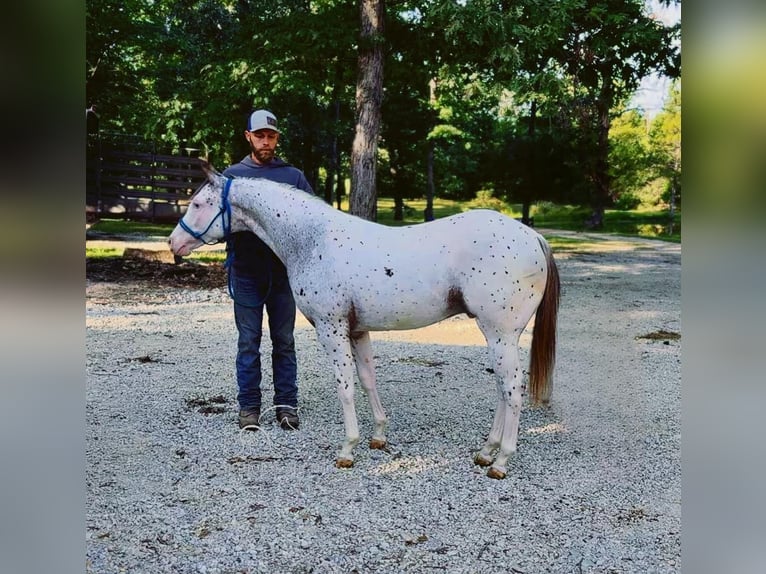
point(262, 120)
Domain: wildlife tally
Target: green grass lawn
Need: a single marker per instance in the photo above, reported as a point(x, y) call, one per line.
point(649, 223)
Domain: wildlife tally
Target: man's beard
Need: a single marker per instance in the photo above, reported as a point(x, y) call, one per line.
point(263, 155)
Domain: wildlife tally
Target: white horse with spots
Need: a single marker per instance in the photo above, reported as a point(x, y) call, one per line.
point(350, 276)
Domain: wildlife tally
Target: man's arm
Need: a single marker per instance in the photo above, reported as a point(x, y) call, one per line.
point(304, 184)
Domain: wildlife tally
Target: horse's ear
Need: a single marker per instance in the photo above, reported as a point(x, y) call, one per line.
point(210, 172)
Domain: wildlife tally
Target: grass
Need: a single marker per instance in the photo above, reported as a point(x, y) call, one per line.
point(101, 252)
point(650, 223)
point(413, 210)
point(200, 256)
point(123, 226)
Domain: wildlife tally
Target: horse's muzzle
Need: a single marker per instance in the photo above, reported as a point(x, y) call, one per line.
point(181, 243)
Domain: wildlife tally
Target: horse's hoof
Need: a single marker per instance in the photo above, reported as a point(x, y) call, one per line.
point(495, 473)
point(378, 444)
point(344, 463)
point(482, 460)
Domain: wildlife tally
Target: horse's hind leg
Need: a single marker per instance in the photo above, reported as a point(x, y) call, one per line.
point(510, 381)
point(365, 367)
point(485, 455)
point(338, 348)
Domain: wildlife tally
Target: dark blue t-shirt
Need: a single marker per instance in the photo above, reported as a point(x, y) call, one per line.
point(251, 255)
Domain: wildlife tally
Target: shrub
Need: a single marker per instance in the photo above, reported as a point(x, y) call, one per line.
point(627, 201)
point(484, 200)
point(543, 208)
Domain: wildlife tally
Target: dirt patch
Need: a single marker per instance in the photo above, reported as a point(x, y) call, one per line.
point(661, 335)
point(127, 269)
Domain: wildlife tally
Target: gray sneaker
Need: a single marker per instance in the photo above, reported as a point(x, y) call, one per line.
point(288, 418)
point(250, 418)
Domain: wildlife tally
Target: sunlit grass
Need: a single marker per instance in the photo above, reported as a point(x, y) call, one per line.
point(103, 252)
point(207, 256)
point(124, 226)
point(648, 223)
point(558, 243)
point(414, 210)
point(198, 256)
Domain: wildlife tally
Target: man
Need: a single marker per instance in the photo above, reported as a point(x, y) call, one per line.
point(258, 278)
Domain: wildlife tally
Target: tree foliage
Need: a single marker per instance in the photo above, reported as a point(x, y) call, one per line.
point(524, 100)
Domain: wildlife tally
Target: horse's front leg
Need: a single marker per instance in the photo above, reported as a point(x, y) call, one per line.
point(335, 340)
point(365, 367)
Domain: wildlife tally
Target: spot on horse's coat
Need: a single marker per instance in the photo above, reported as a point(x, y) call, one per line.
point(352, 320)
point(389, 272)
point(456, 303)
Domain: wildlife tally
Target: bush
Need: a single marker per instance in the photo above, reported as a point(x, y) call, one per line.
point(543, 208)
point(484, 200)
point(627, 201)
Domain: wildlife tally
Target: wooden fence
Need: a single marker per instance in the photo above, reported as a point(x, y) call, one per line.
point(129, 179)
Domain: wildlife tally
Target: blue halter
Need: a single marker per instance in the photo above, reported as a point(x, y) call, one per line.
point(224, 212)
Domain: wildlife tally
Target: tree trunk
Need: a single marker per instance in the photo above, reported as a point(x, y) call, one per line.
point(340, 186)
point(398, 191)
point(672, 199)
point(428, 213)
point(398, 207)
point(601, 194)
point(369, 96)
point(525, 209)
point(530, 191)
point(333, 169)
point(328, 182)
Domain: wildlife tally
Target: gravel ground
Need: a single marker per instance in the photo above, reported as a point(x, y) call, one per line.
point(173, 486)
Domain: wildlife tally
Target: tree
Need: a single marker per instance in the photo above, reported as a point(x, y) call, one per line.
point(629, 158)
point(609, 48)
point(516, 99)
point(369, 95)
point(405, 114)
point(114, 79)
point(665, 142)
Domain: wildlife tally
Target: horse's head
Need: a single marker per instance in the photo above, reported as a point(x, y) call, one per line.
point(208, 217)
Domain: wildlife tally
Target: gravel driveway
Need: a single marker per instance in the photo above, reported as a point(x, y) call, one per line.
point(172, 486)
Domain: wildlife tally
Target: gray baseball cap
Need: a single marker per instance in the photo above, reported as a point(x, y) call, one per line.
point(262, 120)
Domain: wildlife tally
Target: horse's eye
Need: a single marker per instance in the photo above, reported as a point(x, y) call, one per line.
point(195, 204)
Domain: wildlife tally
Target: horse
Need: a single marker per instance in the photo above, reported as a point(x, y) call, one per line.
point(350, 276)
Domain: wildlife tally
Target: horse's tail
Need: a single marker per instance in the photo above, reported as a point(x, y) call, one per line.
point(543, 353)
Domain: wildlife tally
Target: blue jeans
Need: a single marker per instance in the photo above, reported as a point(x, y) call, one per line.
point(251, 294)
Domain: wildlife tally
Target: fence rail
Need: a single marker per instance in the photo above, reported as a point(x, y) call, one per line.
point(126, 182)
